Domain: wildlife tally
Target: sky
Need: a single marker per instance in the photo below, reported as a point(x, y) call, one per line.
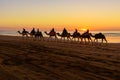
point(71, 14)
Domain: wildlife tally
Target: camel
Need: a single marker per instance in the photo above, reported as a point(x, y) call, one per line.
point(25, 34)
point(32, 35)
point(86, 36)
point(99, 36)
point(64, 36)
point(39, 35)
point(51, 35)
point(36, 34)
point(76, 36)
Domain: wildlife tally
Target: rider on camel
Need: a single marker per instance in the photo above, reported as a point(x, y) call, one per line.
point(33, 31)
point(24, 31)
point(76, 31)
point(52, 32)
point(64, 32)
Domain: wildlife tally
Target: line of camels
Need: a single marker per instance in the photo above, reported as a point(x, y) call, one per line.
point(85, 37)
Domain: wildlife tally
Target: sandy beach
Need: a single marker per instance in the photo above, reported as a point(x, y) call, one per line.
point(50, 60)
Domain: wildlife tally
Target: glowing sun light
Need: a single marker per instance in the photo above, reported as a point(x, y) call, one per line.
point(83, 29)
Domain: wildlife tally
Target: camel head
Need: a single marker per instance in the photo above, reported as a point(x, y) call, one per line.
point(45, 31)
point(19, 32)
point(91, 35)
point(58, 34)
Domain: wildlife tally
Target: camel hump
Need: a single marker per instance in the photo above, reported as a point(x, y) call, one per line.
point(100, 33)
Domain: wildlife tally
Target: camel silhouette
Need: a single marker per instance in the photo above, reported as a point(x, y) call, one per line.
point(39, 36)
point(99, 36)
point(24, 34)
point(86, 36)
point(63, 36)
point(76, 35)
point(32, 33)
point(51, 35)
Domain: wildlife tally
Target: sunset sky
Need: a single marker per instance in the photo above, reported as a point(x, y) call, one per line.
point(46, 14)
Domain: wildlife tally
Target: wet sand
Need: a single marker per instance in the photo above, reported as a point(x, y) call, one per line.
point(25, 59)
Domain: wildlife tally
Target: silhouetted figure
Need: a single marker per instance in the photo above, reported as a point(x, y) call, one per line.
point(38, 34)
point(86, 35)
point(52, 32)
point(76, 31)
point(87, 32)
point(24, 31)
point(76, 35)
point(37, 31)
point(32, 33)
point(64, 33)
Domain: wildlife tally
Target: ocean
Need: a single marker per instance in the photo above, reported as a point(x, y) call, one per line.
point(112, 36)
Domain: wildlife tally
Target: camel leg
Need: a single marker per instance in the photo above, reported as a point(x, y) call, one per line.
point(81, 40)
point(102, 40)
point(56, 39)
point(78, 39)
point(95, 41)
point(85, 40)
point(105, 40)
point(69, 38)
point(88, 40)
point(91, 40)
point(72, 39)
